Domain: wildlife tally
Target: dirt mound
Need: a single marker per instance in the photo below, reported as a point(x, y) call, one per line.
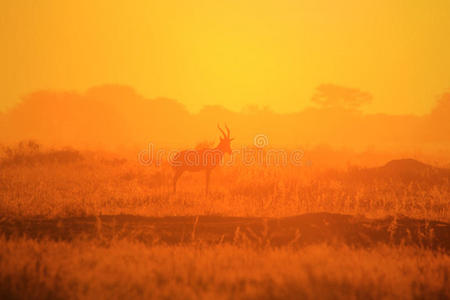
point(404, 171)
point(409, 170)
point(406, 165)
point(297, 230)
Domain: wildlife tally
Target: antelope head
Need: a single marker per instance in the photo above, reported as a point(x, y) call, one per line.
point(225, 140)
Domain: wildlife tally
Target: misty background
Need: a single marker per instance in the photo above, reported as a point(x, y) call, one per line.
point(115, 116)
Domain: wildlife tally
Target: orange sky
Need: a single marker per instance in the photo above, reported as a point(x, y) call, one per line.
point(231, 53)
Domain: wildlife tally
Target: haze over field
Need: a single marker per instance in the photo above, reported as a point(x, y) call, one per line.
point(204, 149)
point(304, 73)
point(112, 116)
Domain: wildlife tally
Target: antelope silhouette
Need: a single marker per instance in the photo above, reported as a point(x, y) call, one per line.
point(202, 159)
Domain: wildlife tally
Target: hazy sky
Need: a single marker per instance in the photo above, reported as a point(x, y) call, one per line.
point(233, 52)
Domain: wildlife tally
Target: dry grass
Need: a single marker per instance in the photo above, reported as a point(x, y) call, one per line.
point(127, 267)
point(96, 186)
point(33, 269)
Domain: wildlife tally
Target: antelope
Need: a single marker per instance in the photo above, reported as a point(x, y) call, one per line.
point(202, 159)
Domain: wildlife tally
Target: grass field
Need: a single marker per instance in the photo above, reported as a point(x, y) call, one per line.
point(91, 225)
point(102, 184)
point(34, 269)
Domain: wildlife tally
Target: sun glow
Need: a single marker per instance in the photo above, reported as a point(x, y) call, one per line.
point(231, 53)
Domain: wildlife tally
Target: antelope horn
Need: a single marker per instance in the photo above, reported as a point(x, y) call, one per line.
point(228, 130)
point(224, 135)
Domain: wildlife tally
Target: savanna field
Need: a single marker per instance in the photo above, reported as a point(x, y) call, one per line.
point(79, 224)
point(253, 149)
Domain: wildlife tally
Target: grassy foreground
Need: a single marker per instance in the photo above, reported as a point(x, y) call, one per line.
point(93, 226)
point(102, 186)
point(32, 269)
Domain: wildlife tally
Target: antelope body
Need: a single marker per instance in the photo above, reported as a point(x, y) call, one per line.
point(201, 160)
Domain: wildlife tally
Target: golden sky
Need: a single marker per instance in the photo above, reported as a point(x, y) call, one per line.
point(233, 53)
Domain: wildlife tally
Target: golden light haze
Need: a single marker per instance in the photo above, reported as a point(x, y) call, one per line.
point(212, 149)
point(112, 116)
point(231, 53)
